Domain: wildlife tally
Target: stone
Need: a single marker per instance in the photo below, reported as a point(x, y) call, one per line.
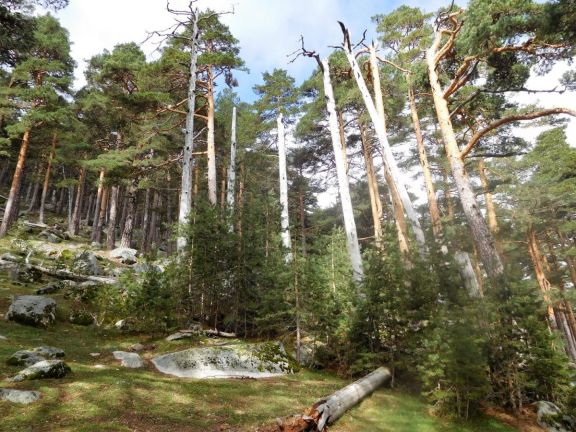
point(550, 418)
point(19, 396)
point(95, 355)
point(50, 288)
point(43, 369)
point(125, 255)
point(180, 335)
point(128, 359)
point(35, 355)
point(50, 237)
point(258, 360)
point(3, 337)
point(81, 317)
point(38, 311)
point(9, 257)
point(29, 275)
point(137, 347)
point(86, 263)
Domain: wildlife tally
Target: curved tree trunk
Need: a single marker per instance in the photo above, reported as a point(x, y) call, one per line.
point(10, 213)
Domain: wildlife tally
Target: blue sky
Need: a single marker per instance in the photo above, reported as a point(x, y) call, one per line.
point(268, 30)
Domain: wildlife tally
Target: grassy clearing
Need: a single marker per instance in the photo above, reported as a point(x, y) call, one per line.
point(99, 395)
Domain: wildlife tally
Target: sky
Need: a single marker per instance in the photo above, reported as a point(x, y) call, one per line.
point(268, 32)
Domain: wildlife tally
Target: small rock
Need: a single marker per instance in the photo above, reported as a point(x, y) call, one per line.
point(125, 255)
point(128, 359)
point(43, 369)
point(179, 335)
point(550, 417)
point(95, 355)
point(33, 356)
point(19, 396)
point(29, 275)
point(3, 337)
point(50, 288)
point(51, 237)
point(32, 310)
point(87, 263)
point(137, 347)
point(9, 257)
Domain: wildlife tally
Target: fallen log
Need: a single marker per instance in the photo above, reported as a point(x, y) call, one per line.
point(219, 333)
point(326, 411)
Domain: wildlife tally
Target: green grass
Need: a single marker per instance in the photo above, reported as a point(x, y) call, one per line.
point(99, 395)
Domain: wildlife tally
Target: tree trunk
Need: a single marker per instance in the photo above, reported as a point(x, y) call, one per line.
point(387, 157)
point(232, 172)
point(101, 215)
point(47, 179)
point(11, 204)
point(480, 232)
point(126, 241)
point(343, 185)
point(283, 178)
point(490, 206)
point(74, 227)
point(145, 221)
point(211, 148)
point(95, 217)
point(186, 186)
point(428, 182)
point(111, 233)
point(70, 203)
point(375, 201)
point(342, 133)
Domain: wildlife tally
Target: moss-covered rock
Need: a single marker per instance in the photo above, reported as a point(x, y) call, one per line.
point(42, 370)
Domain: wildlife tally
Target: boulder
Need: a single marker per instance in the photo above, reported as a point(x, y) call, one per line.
point(551, 419)
point(180, 335)
point(29, 275)
point(38, 311)
point(19, 396)
point(129, 359)
point(33, 356)
point(86, 263)
point(43, 369)
point(50, 237)
point(125, 255)
point(50, 288)
point(259, 360)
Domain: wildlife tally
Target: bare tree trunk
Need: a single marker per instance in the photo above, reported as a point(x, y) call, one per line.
point(186, 186)
point(302, 211)
point(342, 133)
point(70, 203)
point(11, 204)
point(428, 182)
point(126, 240)
point(96, 219)
point(145, 221)
point(74, 227)
point(111, 233)
point(490, 206)
point(375, 201)
point(343, 185)
point(480, 232)
point(223, 178)
point(47, 179)
point(283, 179)
point(101, 216)
point(232, 171)
point(211, 148)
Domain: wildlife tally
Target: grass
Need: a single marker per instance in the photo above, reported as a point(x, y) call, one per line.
point(99, 395)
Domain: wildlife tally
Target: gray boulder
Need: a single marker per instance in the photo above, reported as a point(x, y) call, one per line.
point(38, 311)
point(129, 359)
point(125, 255)
point(259, 360)
point(19, 396)
point(551, 419)
point(86, 263)
point(43, 369)
point(33, 356)
point(180, 335)
point(50, 237)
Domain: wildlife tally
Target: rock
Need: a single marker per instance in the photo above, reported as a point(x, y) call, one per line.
point(125, 255)
point(43, 369)
point(247, 360)
point(50, 288)
point(9, 257)
point(128, 359)
point(49, 236)
point(550, 418)
point(81, 317)
point(308, 349)
point(33, 356)
point(180, 335)
point(19, 396)
point(29, 275)
point(38, 311)
point(137, 347)
point(95, 355)
point(3, 337)
point(86, 263)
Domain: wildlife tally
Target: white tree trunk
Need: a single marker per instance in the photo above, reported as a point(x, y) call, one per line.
point(387, 156)
point(211, 145)
point(343, 186)
point(284, 220)
point(230, 188)
point(186, 186)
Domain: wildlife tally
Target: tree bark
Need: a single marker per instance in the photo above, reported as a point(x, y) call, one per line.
point(211, 147)
point(14, 195)
point(74, 227)
point(490, 206)
point(343, 185)
point(232, 172)
point(34, 199)
point(146, 221)
point(186, 186)
point(480, 232)
point(283, 179)
point(96, 219)
point(126, 241)
point(375, 201)
point(101, 216)
point(47, 179)
point(111, 233)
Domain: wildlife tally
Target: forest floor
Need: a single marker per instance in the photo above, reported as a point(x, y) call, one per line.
point(99, 395)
